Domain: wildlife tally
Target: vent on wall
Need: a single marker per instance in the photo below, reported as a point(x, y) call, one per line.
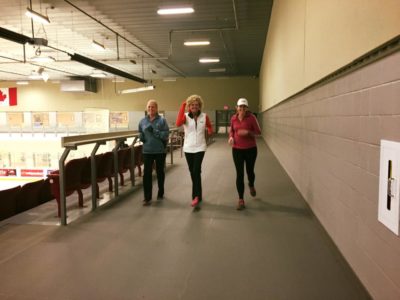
point(79, 85)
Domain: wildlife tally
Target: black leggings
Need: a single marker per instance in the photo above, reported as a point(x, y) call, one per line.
point(240, 157)
point(194, 161)
point(148, 160)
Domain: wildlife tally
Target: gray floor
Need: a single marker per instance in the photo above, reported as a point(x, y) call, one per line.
point(275, 249)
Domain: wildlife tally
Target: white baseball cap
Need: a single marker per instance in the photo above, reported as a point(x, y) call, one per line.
point(242, 101)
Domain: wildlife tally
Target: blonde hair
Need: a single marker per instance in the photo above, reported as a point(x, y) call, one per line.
point(194, 98)
point(152, 101)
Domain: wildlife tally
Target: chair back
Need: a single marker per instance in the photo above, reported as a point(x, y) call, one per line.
point(8, 202)
point(28, 196)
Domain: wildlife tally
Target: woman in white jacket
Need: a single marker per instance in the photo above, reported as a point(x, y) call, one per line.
point(195, 124)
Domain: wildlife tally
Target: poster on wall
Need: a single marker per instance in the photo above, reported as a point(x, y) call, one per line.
point(119, 119)
point(96, 120)
point(15, 119)
point(40, 119)
point(8, 96)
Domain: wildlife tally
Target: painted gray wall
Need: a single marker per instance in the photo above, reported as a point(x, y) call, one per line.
point(328, 140)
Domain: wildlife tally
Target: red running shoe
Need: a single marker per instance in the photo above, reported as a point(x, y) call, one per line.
point(240, 205)
point(195, 201)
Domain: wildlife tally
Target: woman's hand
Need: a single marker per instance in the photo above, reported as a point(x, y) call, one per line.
point(230, 141)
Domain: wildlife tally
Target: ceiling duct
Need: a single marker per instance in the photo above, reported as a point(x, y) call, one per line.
point(20, 38)
point(79, 84)
point(100, 66)
point(14, 36)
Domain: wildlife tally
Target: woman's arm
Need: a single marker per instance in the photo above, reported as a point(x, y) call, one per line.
point(141, 133)
point(181, 118)
point(164, 130)
point(208, 126)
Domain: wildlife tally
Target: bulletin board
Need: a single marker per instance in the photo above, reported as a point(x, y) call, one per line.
point(119, 119)
point(40, 119)
point(66, 119)
point(15, 119)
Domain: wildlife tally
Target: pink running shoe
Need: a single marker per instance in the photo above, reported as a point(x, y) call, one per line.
point(195, 201)
point(240, 205)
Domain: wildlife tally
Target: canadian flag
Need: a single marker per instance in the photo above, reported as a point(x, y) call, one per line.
point(8, 97)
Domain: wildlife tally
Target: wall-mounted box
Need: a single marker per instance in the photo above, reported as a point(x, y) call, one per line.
point(389, 179)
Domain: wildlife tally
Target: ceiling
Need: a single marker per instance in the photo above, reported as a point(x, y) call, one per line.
point(138, 42)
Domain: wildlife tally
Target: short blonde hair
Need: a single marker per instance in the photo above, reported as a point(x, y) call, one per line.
point(152, 101)
point(194, 98)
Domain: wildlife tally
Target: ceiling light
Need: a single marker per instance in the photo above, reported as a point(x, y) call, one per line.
point(22, 82)
point(175, 11)
point(45, 76)
point(206, 60)
point(140, 89)
point(153, 71)
point(196, 43)
point(36, 16)
point(98, 46)
point(169, 79)
point(43, 59)
point(216, 70)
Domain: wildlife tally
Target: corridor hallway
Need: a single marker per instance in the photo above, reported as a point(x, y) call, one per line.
point(274, 249)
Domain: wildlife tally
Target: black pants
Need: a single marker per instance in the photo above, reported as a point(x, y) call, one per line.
point(194, 161)
point(149, 159)
point(240, 157)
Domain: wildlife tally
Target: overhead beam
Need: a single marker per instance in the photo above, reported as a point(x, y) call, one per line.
point(100, 66)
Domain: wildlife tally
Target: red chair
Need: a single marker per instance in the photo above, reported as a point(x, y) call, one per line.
point(28, 196)
point(124, 162)
point(45, 194)
point(73, 175)
point(105, 169)
point(8, 202)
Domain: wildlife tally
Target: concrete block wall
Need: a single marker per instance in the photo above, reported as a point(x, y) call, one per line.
point(328, 141)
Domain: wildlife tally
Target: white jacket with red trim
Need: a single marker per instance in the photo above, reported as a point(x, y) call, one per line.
point(195, 134)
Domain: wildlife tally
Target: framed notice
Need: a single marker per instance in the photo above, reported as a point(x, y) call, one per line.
point(15, 119)
point(40, 119)
point(66, 119)
point(119, 119)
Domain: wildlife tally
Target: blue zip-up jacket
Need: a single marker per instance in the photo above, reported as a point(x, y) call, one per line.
point(154, 135)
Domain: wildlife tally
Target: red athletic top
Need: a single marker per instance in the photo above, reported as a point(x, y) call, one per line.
point(244, 140)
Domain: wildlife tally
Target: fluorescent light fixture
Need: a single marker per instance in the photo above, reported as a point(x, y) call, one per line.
point(175, 11)
point(36, 16)
point(98, 46)
point(45, 76)
point(140, 89)
point(216, 70)
point(207, 60)
point(169, 79)
point(196, 43)
point(43, 59)
point(22, 82)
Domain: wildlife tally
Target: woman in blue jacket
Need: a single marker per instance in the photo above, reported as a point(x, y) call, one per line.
point(154, 133)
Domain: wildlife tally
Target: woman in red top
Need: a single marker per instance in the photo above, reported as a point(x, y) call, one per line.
point(244, 128)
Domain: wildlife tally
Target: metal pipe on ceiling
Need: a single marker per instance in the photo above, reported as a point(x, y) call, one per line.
point(168, 65)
